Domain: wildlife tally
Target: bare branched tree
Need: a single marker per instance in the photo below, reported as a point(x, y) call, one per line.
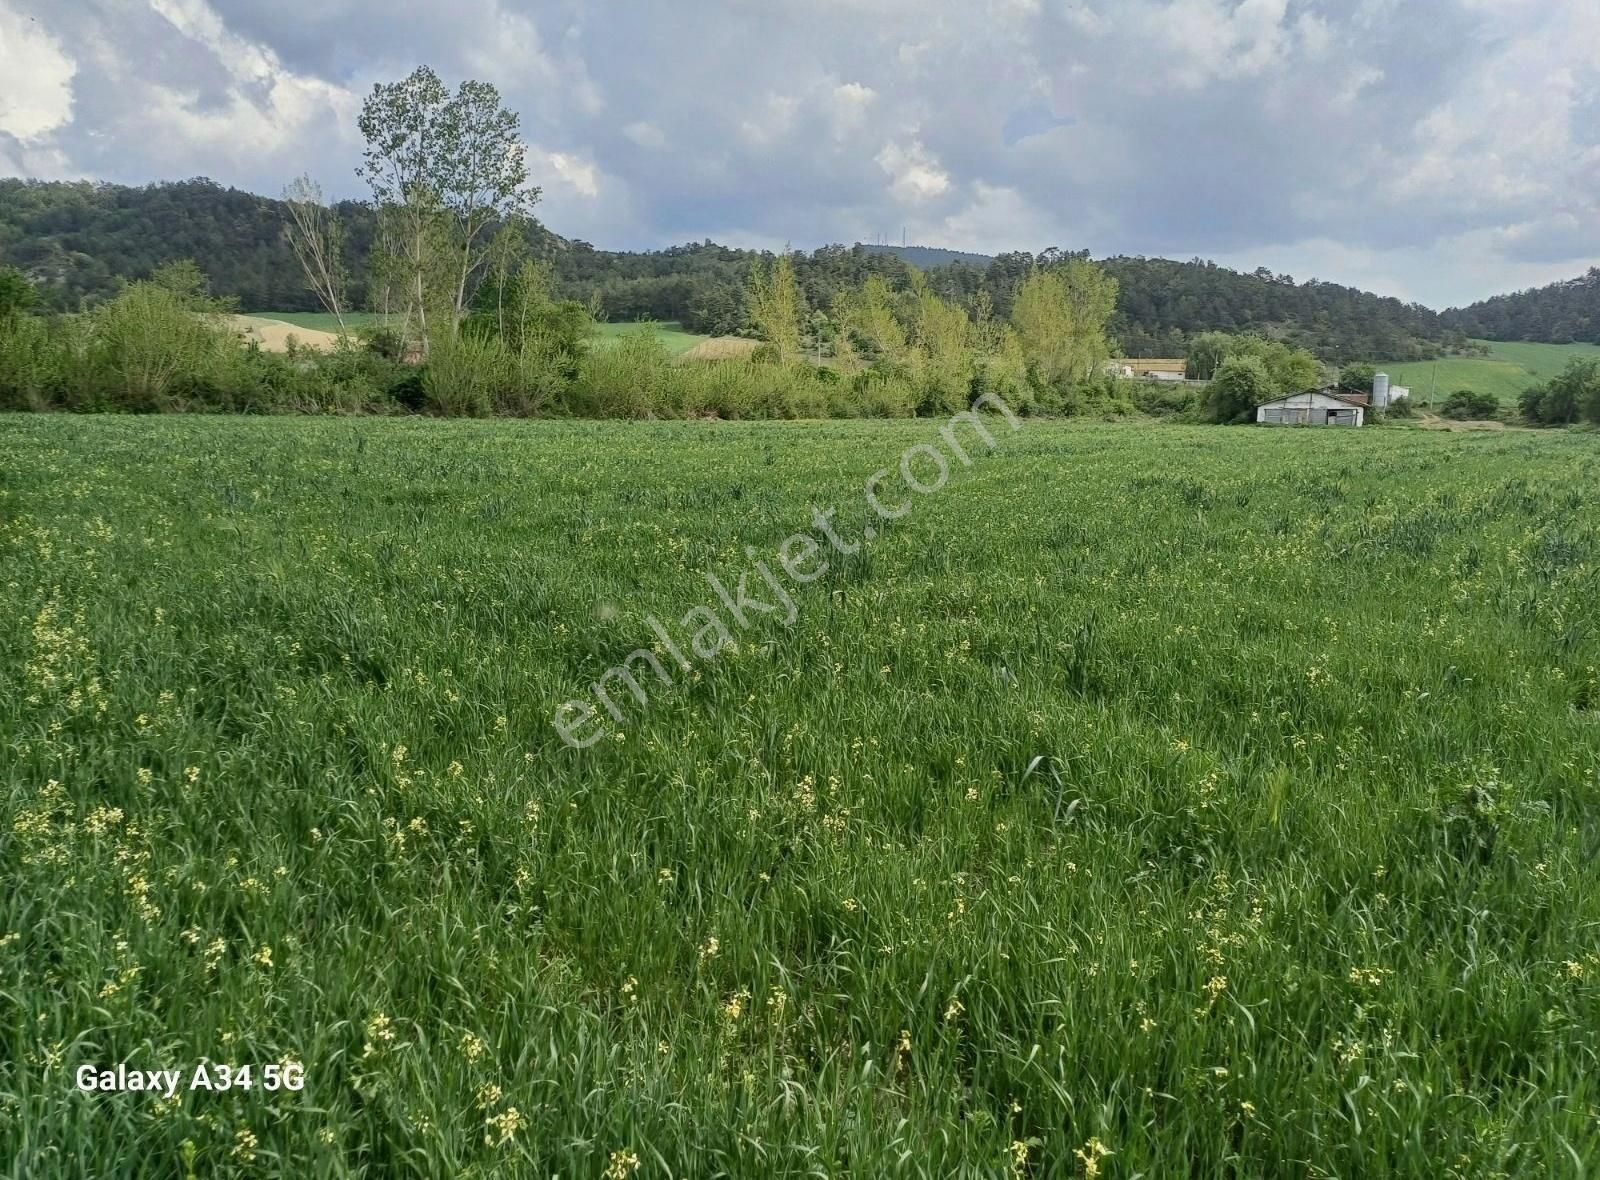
point(317, 236)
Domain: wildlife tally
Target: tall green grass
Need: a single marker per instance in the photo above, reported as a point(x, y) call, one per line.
point(671, 334)
point(1163, 803)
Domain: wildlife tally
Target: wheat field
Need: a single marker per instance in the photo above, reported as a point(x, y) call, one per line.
point(1148, 802)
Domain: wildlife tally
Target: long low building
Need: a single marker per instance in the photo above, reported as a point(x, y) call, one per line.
point(1148, 370)
point(1316, 408)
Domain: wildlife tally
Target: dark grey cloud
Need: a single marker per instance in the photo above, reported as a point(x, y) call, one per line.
point(1439, 149)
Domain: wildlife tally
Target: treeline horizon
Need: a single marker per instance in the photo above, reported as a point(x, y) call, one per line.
point(81, 242)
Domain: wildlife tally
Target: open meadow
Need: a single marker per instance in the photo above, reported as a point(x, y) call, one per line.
point(672, 336)
point(1504, 373)
point(1149, 801)
point(321, 321)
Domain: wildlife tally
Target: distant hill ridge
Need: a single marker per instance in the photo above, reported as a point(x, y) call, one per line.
point(929, 257)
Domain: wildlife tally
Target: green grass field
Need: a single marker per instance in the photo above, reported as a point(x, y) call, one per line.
point(321, 321)
point(672, 336)
point(1149, 801)
point(1505, 372)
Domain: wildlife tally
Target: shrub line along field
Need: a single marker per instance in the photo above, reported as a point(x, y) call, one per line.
point(1507, 370)
point(1152, 802)
point(672, 336)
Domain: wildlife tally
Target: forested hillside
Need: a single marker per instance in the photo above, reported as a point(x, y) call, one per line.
point(1562, 313)
point(1163, 303)
point(78, 241)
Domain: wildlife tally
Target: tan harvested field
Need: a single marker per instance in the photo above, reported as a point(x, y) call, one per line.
point(721, 348)
point(273, 335)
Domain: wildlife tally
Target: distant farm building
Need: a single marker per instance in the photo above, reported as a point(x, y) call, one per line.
point(1385, 395)
point(1149, 370)
point(1315, 408)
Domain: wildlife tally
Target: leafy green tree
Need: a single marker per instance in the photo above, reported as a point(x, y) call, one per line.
point(1530, 404)
point(452, 167)
point(1290, 370)
point(1357, 377)
point(775, 305)
point(1061, 314)
point(1591, 404)
point(943, 336)
point(17, 298)
point(1569, 394)
point(161, 338)
point(1241, 384)
point(869, 317)
point(1206, 353)
point(1293, 370)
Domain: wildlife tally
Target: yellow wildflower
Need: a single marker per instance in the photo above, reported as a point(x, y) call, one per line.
point(506, 1124)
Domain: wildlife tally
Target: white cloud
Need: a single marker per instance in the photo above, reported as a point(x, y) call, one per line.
point(646, 135)
point(1306, 135)
point(1195, 41)
point(914, 173)
point(581, 176)
point(771, 121)
point(36, 96)
point(511, 53)
point(851, 102)
point(268, 110)
point(994, 219)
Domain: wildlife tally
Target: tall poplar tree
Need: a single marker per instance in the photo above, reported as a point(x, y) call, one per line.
point(448, 169)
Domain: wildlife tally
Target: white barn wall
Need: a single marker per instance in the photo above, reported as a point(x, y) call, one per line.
point(1310, 409)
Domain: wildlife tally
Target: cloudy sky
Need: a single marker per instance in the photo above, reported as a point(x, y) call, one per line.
point(1439, 150)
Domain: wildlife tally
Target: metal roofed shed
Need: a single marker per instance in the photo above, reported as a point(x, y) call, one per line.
point(1315, 408)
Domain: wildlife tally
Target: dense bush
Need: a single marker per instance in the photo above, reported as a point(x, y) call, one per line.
point(1162, 399)
point(1467, 405)
point(1241, 384)
point(1572, 396)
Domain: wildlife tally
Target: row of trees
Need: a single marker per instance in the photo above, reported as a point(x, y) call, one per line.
point(165, 343)
point(453, 266)
point(469, 288)
point(1046, 352)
